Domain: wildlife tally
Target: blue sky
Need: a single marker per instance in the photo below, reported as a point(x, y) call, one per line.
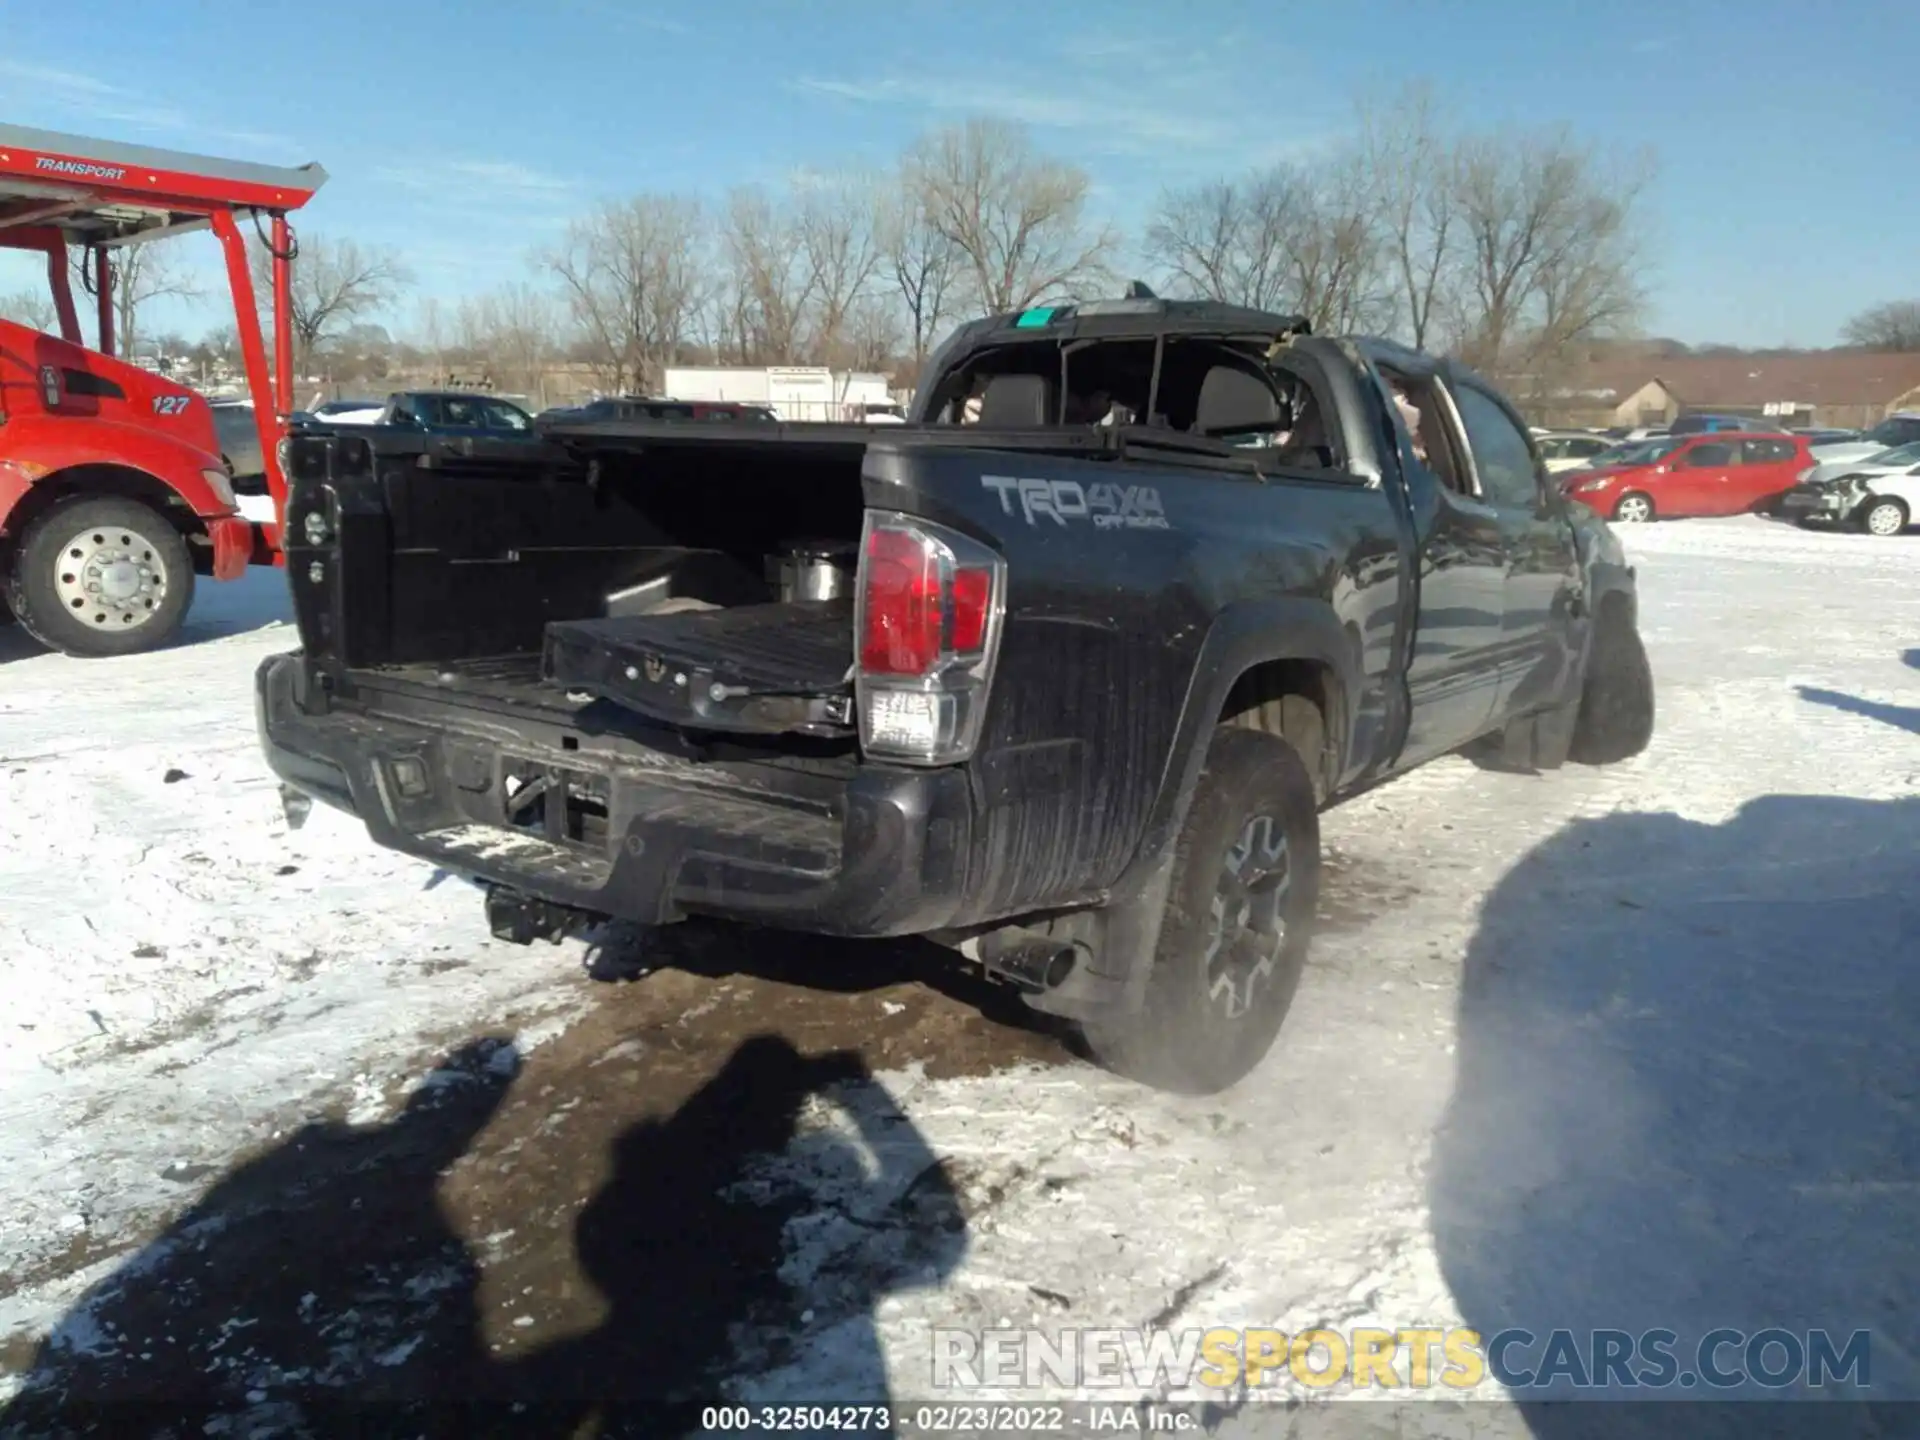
point(464, 134)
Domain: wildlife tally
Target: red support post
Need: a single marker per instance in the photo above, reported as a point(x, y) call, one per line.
point(103, 296)
point(283, 313)
point(268, 423)
point(61, 283)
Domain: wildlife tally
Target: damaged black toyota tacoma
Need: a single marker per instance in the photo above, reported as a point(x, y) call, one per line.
point(1059, 674)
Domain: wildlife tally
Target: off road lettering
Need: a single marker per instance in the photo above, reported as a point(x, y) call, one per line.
point(1108, 506)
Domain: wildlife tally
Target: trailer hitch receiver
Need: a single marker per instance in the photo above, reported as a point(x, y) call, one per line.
point(522, 919)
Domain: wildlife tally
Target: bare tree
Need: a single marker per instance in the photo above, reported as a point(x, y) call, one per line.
point(515, 333)
point(773, 278)
point(1892, 326)
point(30, 308)
point(631, 279)
point(1551, 250)
point(1289, 238)
point(922, 264)
point(141, 273)
point(1413, 173)
point(1017, 217)
point(836, 225)
point(872, 339)
point(1215, 241)
point(335, 282)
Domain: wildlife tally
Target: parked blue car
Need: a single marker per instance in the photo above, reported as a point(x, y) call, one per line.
point(1713, 424)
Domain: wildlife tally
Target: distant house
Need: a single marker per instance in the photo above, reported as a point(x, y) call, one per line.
point(1848, 389)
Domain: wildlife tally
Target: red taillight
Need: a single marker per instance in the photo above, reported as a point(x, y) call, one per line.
point(902, 610)
point(929, 622)
point(972, 605)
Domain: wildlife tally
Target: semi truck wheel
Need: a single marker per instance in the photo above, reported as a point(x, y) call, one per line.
point(1240, 910)
point(101, 577)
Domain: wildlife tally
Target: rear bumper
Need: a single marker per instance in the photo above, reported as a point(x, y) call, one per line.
point(232, 538)
point(626, 831)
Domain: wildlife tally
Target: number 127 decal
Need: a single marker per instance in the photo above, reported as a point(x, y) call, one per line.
point(171, 404)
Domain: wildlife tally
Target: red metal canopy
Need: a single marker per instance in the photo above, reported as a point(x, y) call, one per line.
point(101, 192)
point(58, 191)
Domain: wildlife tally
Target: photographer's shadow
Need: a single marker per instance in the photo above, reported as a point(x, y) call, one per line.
point(1686, 1099)
point(323, 1265)
point(321, 1285)
point(733, 1232)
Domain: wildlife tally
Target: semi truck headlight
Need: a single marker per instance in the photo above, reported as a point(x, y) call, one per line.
point(221, 484)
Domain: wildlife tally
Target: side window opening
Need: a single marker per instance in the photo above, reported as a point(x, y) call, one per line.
point(1502, 457)
point(1422, 416)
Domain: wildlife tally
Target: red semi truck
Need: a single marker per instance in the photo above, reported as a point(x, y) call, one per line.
point(113, 494)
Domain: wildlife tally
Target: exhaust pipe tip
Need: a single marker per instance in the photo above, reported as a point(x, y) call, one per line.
point(1034, 965)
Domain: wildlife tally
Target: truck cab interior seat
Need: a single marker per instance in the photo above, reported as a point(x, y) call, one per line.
point(1233, 400)
point(1013, 402)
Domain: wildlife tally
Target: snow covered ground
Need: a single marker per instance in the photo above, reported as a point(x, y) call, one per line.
point(1618, 1048)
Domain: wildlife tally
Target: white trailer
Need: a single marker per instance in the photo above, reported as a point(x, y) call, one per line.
point(792, 392)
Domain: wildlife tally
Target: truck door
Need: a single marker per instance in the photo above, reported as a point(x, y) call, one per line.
point(1543, 585)
point(1453, 670)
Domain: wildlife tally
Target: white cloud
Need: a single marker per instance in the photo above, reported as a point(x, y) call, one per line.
point(96, 101)
point(1114, 126)
point(485, 183)
point(1166, 102)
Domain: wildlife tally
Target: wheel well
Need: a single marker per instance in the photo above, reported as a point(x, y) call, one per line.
point(1268, 697)
point(1615, 605)
point(126, 483)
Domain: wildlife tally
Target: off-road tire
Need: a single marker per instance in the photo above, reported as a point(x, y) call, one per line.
point(32, 592)
point(1616, 696)
point(1183, 1039)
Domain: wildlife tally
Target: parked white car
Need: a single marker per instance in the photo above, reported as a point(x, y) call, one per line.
point(1569, 449)
point(1881, 494)
point(1895, 430)
point(1881, 462)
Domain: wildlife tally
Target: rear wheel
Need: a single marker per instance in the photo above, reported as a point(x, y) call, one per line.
point(1635, 508)
point(1884, 515)
point(1234, 938)
point(101, 577)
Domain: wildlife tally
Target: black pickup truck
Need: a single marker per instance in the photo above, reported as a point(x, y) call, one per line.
point(1059, 673)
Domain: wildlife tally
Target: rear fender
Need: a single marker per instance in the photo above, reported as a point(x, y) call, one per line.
point(1242, 637)
point(1124, 933)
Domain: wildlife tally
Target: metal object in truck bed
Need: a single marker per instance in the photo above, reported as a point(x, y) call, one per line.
point(758, 669)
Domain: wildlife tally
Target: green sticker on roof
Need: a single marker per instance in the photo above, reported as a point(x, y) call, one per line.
point(1033, 319)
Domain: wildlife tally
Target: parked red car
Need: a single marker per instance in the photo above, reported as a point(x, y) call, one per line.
point(1712, 474)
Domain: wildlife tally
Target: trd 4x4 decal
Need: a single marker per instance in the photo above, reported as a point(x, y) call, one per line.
point(1109, 507)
